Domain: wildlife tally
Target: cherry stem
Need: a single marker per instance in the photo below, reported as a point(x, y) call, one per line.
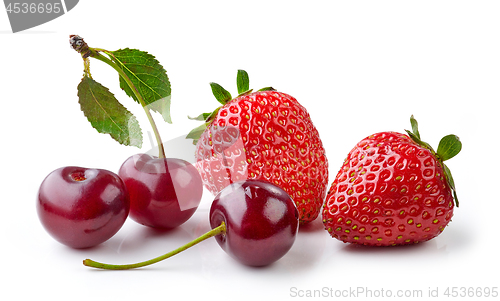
point(95, 54)
point(221, 229)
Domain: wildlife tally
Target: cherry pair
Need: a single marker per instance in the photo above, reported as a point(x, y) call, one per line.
point(83, 207)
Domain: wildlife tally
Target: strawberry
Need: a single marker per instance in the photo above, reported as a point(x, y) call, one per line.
point(393, 189)
point(264, 135)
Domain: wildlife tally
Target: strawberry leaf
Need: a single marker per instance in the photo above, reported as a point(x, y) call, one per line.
point(195, 134)
point(106, 114)
point(242, 81)
point(415, 135)
point(148, 76)
point(221, 94)
point(451, 182)
point(419, 142)
point(449, 147)
point(266, 89)
point(201, 117)
point(414, 126)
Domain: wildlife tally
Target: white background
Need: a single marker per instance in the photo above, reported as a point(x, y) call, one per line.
point(359, 67)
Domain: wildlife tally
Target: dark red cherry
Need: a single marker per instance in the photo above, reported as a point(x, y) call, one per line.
point(254, 221)
point(164, 192)
point(261, 221)
point(82, 207)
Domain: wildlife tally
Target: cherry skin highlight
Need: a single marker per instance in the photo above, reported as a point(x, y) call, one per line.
point(164, 192)
point(82, 207)
point(261, 221)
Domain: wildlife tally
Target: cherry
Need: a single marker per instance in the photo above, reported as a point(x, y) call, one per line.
point(164, 192)
point(82, 207)
point(261, 221)
point(254, 221)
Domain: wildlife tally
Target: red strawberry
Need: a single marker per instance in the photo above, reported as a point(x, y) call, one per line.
point(392, 189)
point(263, 135)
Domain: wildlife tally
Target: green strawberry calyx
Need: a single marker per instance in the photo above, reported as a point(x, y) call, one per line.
point(448, 147)
point(223, 97)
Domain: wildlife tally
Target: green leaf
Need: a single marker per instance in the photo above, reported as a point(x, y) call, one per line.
point(449, 147)
point(195, 134)
point(207, 117)
point(415, 135)
point(242, 81)
point(220, 93)
point(414, 126)
point(106, 114)
point(451, 182)
point(247, 92)
point(266, 89)
point(149, 78)
point(419, 142)
point(201, 117)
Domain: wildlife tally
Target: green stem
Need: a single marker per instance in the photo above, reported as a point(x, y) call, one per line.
point(216, 231)
point(95, 54)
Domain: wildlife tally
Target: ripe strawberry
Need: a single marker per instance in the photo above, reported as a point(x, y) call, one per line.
point(263, 135)
point(392, 189)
